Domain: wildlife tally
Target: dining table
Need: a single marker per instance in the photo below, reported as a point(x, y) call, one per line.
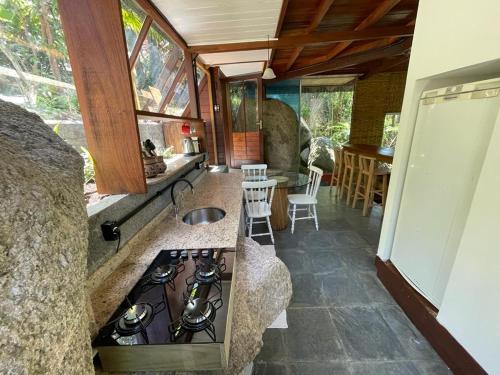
point(286, 182)
point(383, 154)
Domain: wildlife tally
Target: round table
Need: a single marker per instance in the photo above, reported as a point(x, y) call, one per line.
point(285, 181)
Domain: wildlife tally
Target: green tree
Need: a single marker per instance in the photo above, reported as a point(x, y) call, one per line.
point(327, 110)
point(32, 44)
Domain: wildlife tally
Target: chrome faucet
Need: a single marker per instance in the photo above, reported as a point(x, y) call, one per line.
point(172, 196)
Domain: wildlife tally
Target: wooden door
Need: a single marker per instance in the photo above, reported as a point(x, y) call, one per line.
point(245, 100)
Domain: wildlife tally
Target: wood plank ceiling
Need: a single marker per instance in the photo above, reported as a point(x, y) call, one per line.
point(225, 21)
point(311, 37)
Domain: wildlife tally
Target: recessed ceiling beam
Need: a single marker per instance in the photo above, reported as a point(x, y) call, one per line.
point(309, 39)
point(322, 9)
point(384, 8)
point(344, 62)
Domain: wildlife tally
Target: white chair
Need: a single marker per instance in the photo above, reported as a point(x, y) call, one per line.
point(254, 172)
point(308, 199)
point(259, 209)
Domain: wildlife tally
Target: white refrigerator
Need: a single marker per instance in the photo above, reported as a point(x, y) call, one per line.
point(452, 132)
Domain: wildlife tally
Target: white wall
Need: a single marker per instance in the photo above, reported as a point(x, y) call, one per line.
point(457, 41)
point(471, 306)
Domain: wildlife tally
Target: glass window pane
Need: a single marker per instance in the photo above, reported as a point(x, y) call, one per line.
point(34, 67)
point(133, 18)
point(391, 129)
point(236, 92)
point(200, 74)
point(180, 99)
point(158, 63)
point(327, 111)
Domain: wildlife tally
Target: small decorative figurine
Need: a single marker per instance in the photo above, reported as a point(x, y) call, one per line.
point(153, 164)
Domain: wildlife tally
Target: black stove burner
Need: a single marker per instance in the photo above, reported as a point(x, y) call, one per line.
point(135, 319)
point(198, 315)
point(163, 274)
point(207, 272)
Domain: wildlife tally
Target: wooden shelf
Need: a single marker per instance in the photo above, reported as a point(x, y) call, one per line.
point(145, 115)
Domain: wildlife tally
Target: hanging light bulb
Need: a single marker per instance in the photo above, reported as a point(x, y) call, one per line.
point(268, 72)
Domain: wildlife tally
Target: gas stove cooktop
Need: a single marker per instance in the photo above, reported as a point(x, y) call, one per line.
point(181, 300)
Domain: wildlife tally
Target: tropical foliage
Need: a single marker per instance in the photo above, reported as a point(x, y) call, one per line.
point(327, 111)
point(391, 128)
point(88, 167)
point(34, 66)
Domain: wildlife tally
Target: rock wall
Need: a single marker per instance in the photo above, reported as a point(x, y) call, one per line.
point(43, 250)
point(72, 133)
point(281, 135)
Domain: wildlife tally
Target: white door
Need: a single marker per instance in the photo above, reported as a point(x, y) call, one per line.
point(450, 140)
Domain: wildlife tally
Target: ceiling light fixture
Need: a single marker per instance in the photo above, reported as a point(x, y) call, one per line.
point(268, 72)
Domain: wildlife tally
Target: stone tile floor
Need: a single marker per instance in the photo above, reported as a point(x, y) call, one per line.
point(341, 320)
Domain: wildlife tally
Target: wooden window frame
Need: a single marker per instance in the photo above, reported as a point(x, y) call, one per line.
point(103, 80)
point(153, 16)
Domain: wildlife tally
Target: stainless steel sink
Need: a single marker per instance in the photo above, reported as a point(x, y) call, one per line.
point(204, 216)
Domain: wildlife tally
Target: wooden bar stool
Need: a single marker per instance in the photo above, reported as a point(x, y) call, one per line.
point(371, 181)
point(337, 170)
point(349, 166)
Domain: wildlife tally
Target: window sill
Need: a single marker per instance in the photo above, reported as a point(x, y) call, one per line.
point(174, 165)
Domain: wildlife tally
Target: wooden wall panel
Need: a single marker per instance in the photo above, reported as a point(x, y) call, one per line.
point(205, 113)
point(247, 146)
point(221, 118)
point(98, 54)
point(172, 132)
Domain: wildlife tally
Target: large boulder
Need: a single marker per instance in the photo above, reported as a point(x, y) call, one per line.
point(321, 153)
point(43, 250)
point(263, 291)
point(304, 156)
point(281, 135)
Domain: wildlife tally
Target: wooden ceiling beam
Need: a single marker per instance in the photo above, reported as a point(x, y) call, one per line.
point(279, 26)
point(321, 11)
point(374, 44)
point(309, 39)
point(379, 12)
point(386, 65)
point(346, 61)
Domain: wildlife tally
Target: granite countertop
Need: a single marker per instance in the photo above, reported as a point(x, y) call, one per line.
point(222, 190)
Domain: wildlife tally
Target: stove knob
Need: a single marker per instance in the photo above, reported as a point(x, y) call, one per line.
point(184, 255)
point(205, 253)
point(174, 254)
point(195, 254)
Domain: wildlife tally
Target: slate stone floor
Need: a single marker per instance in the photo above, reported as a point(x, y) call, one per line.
point(341, 320)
